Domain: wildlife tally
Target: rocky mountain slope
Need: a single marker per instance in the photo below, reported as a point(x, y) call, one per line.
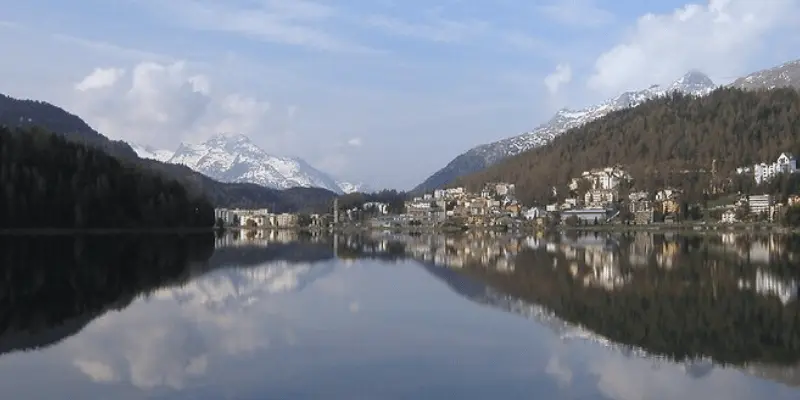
point(785, 75)
point(481, 157)
point(349, 187)
point(235, 158)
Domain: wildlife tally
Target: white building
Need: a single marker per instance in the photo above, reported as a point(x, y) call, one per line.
point(667, 194)
point(448, 194)
point(533, 213)
point(600, 197)
point(601, 179)
point(728, 217)
point(760, 203)
point(229, 216)
point(380, 208)
point(763, 172)
point(285, 220)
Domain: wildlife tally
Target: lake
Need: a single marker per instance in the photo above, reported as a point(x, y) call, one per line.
point(284, 315)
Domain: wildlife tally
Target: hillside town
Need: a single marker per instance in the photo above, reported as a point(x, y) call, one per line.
point(602, 196)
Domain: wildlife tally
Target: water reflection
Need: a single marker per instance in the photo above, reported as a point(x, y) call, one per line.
point(289, 315)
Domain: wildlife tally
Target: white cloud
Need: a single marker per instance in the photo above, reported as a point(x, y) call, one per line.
point(561, 76)
point(96, 370)
point(720, 38)
point(295, 22)
point(9, 25)
point(577, 13)
point(159, 104)
point(355, 142)
point(437, 29)
point(559, 371)
point(100, 78)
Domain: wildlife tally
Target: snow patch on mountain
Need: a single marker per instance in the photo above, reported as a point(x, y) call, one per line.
point(784, 75)
point(349, 187)
point(151, 153)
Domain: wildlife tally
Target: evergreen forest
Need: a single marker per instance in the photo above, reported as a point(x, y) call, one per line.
point(49, 182)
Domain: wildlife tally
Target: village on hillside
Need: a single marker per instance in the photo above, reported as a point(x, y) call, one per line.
point(601, 196)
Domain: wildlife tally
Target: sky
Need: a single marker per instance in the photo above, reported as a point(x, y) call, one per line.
point(384, 92)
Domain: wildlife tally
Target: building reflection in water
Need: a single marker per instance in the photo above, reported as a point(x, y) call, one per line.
point(641, 271)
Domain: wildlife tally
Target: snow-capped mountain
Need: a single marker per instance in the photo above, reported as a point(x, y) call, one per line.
point(235, 158)
point(785, 75)
point(151, 153)
point(349, 187)
point(478, 158)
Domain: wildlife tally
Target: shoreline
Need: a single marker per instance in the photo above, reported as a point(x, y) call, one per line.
point(759, 227)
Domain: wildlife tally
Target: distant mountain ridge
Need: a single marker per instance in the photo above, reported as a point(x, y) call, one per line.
point(693, 82)
point(235, 158)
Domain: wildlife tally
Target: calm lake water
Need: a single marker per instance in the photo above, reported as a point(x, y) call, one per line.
point(274, 315)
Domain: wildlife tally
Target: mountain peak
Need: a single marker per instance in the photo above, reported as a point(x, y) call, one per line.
point(694, 77)
point(227, 137)
point(149, 152)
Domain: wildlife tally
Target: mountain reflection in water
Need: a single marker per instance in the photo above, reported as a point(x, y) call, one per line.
point(701, 302)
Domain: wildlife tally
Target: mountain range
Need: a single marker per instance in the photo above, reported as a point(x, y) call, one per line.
point(693, 82)
point(25, 113)
point(235, 158)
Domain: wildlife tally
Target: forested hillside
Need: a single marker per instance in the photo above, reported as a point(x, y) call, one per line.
point(668, 141)
point(49, 182)
point(29, 113)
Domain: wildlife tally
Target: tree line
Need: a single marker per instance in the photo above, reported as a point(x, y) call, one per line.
point(692, 143)
point(49, 182)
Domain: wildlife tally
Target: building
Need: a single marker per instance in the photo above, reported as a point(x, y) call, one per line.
point(602, 178)
point(638, 196)
point(256, 220)
point(533, 213)
point(669, 200)
point(230, 216)
point(379, 208)
point(504, 189)
point(763, 172)
point(227, 216)
point(600, 197)
point(586, 215)
point(759, 204)
point(244, 217)
point(285, 220)
point(668, 193)
point(728, 217)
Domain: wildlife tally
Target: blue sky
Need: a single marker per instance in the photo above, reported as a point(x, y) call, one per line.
point(380, 91)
